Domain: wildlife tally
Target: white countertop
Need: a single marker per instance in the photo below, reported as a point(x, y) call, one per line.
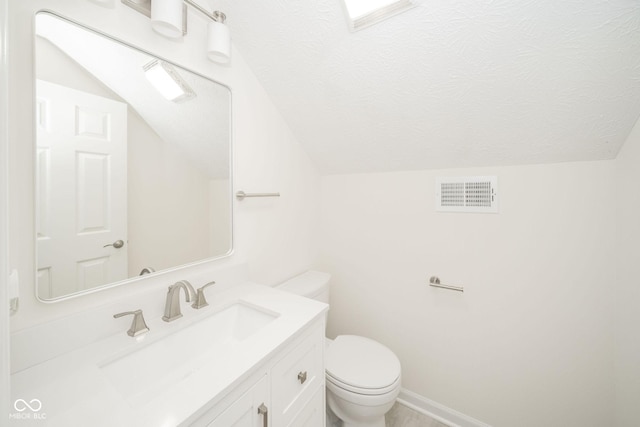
point(74, 391)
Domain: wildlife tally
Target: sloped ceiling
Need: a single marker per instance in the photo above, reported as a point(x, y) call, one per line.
point(199, 127)
point(449, 83)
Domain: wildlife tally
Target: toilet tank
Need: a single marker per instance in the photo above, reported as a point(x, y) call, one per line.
point(312, 284)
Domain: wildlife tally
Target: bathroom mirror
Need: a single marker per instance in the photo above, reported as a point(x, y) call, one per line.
point(132, 167)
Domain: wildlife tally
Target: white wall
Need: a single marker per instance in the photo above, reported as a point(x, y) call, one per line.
point(627, 303)
point(168, 203)
point(529, 341)
point(219, 216)
point(276, 237)
point(4, 308)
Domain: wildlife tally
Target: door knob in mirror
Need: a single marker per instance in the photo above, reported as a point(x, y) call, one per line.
point(117, 244)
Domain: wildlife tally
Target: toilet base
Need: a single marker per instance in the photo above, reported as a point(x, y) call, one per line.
point(378, 423)
point(353, 415)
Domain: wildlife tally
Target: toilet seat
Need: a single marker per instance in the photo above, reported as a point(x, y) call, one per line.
point(363, 391)
point(361, 365)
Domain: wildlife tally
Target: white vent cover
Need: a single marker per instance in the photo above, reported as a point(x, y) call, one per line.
point(467, 194)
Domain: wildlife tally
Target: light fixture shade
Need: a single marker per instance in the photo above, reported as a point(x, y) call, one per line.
point(166, 17)
point(218, 42)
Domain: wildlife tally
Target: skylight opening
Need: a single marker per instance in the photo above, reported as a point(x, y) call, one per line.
point(364, 13)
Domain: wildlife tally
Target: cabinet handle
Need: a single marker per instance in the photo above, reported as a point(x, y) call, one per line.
point(302, 376)
point(263, 410)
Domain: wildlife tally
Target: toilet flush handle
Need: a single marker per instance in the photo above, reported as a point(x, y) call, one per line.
point(302, 377)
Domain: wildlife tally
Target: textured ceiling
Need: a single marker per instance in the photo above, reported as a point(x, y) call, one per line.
point(449, 83)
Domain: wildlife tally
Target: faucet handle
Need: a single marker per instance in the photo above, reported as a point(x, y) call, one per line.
point(147, 270)
point(138, 326)
point(200, 299)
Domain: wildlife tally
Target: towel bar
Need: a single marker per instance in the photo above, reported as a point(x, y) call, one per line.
point(240, 195)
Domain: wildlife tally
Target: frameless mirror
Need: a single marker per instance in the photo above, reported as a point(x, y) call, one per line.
point(133, 171)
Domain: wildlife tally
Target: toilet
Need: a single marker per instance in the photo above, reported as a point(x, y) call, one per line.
point(362, 375)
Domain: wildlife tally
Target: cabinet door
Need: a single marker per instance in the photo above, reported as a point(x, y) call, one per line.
point(244, 412)
point(314, 412)
point(296, 377)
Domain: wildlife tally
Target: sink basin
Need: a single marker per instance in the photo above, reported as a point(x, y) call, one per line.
point(140, 375)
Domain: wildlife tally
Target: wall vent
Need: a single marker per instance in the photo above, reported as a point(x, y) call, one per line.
point(467, 194)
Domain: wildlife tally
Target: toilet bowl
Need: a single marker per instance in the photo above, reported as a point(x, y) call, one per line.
point(362, 380)
point(362, 376)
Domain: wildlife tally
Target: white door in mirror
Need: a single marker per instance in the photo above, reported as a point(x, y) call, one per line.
point(82, 190)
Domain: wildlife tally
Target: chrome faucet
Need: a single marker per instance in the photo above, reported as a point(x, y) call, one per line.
point(138, 326)
point(172, 307)
point(200, 299)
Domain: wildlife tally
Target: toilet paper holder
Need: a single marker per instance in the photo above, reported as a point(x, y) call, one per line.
point(435, 282)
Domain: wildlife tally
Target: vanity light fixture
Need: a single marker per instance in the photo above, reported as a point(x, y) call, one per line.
point(169, 18)
point(166, 80)
point(218, 39)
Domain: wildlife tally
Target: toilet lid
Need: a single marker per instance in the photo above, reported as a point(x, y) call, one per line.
point(361, 362)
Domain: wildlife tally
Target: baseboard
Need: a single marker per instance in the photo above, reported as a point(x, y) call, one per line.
point(438, 412)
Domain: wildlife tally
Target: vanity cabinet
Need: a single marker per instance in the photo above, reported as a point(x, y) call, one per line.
point(290, 386)
point(254, 358)
point(248, 410)
point(313, 414)
point(295, 378)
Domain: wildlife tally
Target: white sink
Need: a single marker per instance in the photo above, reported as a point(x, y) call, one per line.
point(142, 374)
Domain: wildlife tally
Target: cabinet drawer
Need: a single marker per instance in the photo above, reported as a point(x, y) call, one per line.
point(314, 412)
point(297, 376)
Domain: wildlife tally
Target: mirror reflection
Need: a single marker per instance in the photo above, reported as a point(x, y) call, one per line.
point(132, 162)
